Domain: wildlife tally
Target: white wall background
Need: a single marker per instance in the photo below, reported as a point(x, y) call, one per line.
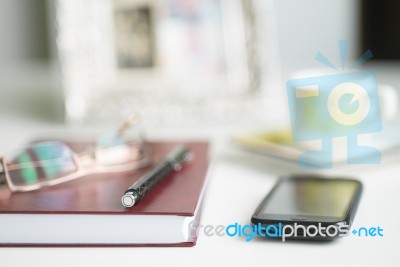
point(304, 28)
point(28, 85)
point(308, 26)
point(23, 31)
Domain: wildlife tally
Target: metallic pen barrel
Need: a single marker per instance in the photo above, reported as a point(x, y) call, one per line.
point(172, 162)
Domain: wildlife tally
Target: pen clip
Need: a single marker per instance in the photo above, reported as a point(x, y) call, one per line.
point(177, 164)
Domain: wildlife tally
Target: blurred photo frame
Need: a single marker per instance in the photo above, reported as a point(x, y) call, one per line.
point(199, 45)
point(161, 57)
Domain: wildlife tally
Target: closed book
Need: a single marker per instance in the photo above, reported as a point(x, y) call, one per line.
point(88, 211)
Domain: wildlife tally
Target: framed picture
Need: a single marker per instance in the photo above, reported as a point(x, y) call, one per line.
point(149, 55)
point(194, 47)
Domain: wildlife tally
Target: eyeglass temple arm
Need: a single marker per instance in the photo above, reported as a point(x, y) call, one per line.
point(129, 122)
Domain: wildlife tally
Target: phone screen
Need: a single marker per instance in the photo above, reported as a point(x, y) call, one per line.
point(311, 197)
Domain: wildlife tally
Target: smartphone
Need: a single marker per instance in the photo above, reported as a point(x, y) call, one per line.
point(308, 207)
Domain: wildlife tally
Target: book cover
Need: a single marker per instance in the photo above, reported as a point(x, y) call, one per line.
point(90, 202)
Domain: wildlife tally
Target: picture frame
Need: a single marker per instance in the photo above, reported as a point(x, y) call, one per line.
point(182, 58)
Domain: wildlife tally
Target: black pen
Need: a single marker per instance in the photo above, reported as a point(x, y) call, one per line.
point(172, 162)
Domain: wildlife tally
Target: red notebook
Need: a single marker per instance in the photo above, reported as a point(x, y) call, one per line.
point(88, 211)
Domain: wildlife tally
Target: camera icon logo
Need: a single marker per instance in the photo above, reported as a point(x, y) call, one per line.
point(345, 104)
point(348, 103)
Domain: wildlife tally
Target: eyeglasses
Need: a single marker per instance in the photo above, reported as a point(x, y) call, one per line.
point(49, 163)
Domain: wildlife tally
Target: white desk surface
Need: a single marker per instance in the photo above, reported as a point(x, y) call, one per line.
point(238, 182)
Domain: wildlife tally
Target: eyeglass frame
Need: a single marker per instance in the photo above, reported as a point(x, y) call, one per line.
point(86, 163)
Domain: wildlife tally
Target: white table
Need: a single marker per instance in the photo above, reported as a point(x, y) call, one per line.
point(239, 180)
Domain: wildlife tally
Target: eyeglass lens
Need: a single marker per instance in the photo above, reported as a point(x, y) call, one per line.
point(40, 162)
